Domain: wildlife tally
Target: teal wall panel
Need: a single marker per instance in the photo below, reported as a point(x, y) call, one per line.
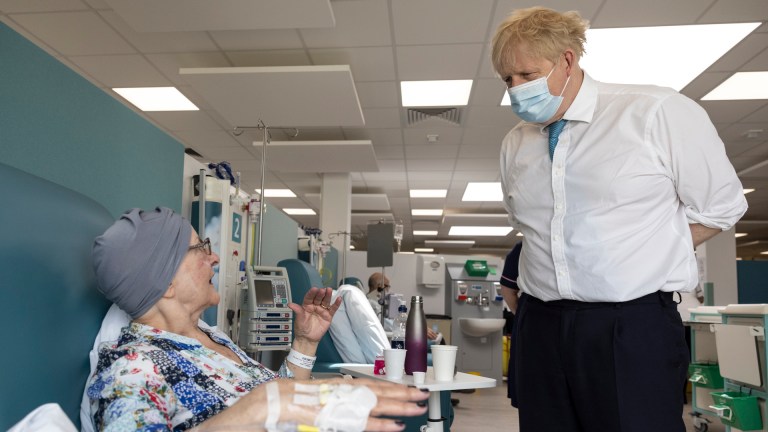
point(752, 281)
point(281, 235)
point(57, 125)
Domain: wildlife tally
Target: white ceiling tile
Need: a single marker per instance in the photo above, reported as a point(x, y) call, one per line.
point(488, 174)
point(75, 33)
point(121, 70)
point(480, 151)
point(477, 138)
point(192, 15)
point(704, 84)
point(377, 94)
point(268, 58)
point(646, 13)
point(477, 164)
point(430, 164)
point(160, 42)
point(358, 23)
point(367, 64)
point(440, 21)
point(185, 120)
point(431, 151)
point(758, 116)
point(389, 152)
point(385, 137)
point(200, 139)
point(321, 156)
point(387, 185)
point(227, 153)
point(758, 63)
point(248, 40)
point(388, 165)
point(383, 176)
point(438, 62)
point(98, 4)
point(382, 117)
point(725, 11)
point(437, 176)
point(22, 6)
point(487, 92)
point(445, 136)
point(245, 95)
point(498, 117)
point(169, 64)
point(730, 111)
point(742, 53)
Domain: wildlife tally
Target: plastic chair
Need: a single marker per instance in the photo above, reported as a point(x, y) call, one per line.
point(302, 277)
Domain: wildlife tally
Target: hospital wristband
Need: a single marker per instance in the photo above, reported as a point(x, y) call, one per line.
point(301, 360)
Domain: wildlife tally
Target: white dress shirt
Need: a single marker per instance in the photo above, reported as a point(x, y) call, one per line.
point(607, 219)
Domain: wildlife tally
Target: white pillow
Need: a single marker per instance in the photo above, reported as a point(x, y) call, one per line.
point(111, 326)
point(45, 418)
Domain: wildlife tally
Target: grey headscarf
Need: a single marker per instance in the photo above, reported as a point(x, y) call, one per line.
point(136, 258)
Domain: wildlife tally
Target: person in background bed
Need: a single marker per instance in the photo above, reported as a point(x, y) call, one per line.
point(168, 371)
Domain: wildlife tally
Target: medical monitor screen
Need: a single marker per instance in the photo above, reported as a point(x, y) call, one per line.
point(264, 295)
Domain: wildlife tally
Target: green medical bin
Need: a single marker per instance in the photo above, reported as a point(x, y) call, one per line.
point(705, 375)
point(738, 410)
point(477, 268)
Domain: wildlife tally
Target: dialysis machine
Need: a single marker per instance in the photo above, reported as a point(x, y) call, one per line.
point(265, 321)
point(476, 309)
point(225, 225)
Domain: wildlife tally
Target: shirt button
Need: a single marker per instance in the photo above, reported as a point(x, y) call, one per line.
point(559, 206)
point(557, 238)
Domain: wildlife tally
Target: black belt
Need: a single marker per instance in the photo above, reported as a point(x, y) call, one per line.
point(663, 297)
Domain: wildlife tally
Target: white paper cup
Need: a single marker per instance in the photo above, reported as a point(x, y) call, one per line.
point(394, 363)
point(418, 377)
point(444, 361)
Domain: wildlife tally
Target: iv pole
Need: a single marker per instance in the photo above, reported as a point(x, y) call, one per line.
point(267, 138)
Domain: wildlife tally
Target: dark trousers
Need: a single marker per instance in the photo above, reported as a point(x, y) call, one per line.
point(600, 367)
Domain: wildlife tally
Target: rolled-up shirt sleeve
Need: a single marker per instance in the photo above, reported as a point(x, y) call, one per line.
point(695, 159)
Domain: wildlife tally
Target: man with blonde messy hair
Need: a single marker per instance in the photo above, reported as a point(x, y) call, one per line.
point(612, 186)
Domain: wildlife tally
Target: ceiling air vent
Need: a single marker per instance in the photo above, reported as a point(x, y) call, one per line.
point(417, 115)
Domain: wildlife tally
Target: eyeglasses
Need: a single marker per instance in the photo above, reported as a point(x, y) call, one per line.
point(204, 246)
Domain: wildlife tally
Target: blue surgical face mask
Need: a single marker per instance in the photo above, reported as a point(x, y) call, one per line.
point(533, 102)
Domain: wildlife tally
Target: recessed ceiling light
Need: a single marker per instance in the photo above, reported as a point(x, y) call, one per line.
point(741, 86)
point(673, 55)
point(156, 98)
point(351, 247)
point(490, 231)
point(279, 193)
point(299, 211)
point(746, 191)
point(764, 253)
point(423, 250)
point(441, 93)
point(424, 232)
point(428, 193)
point(519, 234)
point(449, 243)
point(740, 235)
point(426, 212)
point(483, 191)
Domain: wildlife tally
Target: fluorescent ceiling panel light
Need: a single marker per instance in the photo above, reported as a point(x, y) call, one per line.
point(741, 86)
point(426, 250)
point(351, 247)
point(426, 212)
point(424, 232)
point(519, 234)
point(278, 193)
point(429, 193)
point(670, 56)
point(740, 235)
point(156, 98)
point(449, 243)
point(764, 253)
point(299, 211)
point(746, 191)
point(441, 93)
point(488, 231)
point(483, 191)
point(405, 253)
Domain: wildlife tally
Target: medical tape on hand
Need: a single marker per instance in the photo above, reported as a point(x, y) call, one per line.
point(312, 394)
point(346, 408)
point(273, 406)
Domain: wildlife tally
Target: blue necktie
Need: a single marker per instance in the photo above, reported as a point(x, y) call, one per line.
point(554, 132)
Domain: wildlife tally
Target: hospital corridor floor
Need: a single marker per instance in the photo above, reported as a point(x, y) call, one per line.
point(487, 409)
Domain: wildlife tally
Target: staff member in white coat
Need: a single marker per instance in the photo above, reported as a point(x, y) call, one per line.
point(611, 213)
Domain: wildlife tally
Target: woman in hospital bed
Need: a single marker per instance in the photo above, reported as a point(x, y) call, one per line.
point(168, 371)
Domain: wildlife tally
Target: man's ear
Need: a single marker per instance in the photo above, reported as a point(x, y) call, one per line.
point(171, 291)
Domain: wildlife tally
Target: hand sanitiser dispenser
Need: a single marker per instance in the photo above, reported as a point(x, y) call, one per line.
point(265, 319)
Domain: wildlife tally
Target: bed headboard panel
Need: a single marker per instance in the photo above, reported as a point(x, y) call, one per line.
point(50, 310)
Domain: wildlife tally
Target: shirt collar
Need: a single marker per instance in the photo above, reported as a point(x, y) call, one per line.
point(583, 106)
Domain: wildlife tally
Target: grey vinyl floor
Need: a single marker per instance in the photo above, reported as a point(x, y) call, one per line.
point(489, 410)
